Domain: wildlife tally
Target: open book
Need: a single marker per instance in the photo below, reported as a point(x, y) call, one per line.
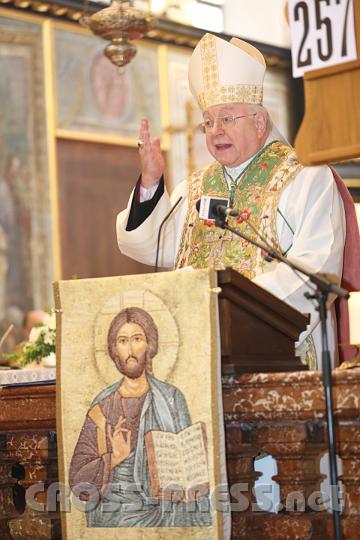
point(178, 463)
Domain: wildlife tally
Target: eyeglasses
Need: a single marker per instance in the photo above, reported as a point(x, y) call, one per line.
point(224, 121)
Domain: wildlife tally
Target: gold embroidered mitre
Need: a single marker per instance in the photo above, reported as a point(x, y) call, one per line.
point(226, 72)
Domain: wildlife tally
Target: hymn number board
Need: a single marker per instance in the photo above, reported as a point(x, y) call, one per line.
point(322, 34)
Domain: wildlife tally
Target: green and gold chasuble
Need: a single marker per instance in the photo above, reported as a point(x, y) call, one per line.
point(256, 197)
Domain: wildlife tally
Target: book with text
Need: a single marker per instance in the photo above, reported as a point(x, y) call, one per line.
point(178, 463)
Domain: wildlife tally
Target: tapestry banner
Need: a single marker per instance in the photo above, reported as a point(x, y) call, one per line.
point(139, 414)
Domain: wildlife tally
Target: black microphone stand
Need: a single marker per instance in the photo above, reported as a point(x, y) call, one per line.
point(323, 288)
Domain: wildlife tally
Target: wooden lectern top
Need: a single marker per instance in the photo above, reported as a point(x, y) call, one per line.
point(258, 330)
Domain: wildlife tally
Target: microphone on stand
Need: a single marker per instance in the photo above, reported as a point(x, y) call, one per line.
point(224, 212)
point(324, 287)
point(160, 229)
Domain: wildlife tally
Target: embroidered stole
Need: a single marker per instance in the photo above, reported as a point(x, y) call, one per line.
point(256, 197)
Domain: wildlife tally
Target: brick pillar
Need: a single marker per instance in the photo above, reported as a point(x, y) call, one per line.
point(35, 456)
point(297, 448)
point(7, 487)
point(348, 434)
point(241, 449)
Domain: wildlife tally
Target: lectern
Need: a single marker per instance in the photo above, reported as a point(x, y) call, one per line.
point(258, 331)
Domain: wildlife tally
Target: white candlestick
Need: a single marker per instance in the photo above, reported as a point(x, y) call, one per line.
point(354, 317)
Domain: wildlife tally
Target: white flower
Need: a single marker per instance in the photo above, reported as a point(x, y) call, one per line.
point(35, 333)
point(50, 320)
point(49, 337)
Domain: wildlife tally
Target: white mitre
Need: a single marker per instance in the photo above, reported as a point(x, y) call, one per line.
point(226, 72)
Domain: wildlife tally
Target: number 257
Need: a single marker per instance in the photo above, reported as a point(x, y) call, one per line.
point(325, 50)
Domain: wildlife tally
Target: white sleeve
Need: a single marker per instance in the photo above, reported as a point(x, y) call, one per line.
point(141, 243)
point(313, 208)
point(147, 193)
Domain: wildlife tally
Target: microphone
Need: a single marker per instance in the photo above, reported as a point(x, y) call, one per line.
point(160, 229)
point(223, 211)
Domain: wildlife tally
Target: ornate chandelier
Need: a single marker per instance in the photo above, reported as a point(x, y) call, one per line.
point(120, 23)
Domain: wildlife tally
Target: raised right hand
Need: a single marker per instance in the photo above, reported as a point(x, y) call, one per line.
point(152, 160)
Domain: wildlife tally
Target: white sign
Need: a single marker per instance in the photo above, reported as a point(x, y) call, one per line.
point(322, 34)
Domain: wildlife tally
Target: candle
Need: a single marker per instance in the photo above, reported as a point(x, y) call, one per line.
point(354, 317)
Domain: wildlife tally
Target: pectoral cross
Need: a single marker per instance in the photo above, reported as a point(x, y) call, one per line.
point(217, 241)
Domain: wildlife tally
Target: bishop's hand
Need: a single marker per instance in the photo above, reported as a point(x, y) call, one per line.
point(151, 157)
point(120, 440)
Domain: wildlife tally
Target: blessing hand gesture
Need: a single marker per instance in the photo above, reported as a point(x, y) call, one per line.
point(152, 160)
point(120, 442)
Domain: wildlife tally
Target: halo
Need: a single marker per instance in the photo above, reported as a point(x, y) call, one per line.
point(165, 359)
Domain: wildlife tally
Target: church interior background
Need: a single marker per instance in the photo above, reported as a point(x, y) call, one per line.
point(68, 144)
point(69, 123)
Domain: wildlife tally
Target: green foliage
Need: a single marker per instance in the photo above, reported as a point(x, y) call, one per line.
point(40, 345)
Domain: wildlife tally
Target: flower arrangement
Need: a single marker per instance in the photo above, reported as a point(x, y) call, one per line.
point(40, 348)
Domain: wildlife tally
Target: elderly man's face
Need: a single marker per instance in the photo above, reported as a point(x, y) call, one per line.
point(233, 144)
point(131, 347)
